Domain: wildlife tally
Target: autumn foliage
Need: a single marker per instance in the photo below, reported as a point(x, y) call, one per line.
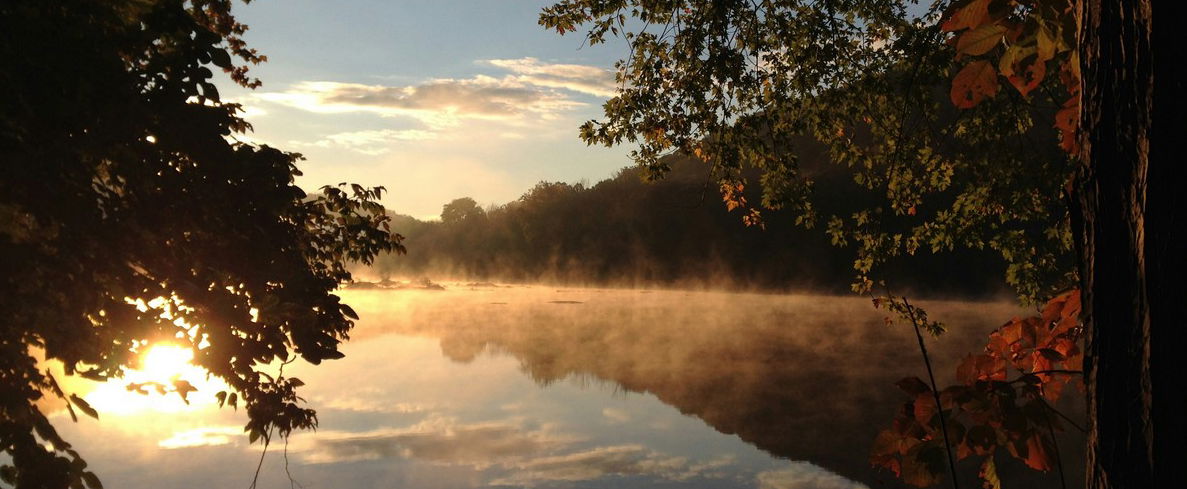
point(988, 410)
point(1022, 41)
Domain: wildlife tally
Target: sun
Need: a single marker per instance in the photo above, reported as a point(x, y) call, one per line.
point(151, 386)
point(164, 363)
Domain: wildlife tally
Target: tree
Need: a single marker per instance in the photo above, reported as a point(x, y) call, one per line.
point(735, 82)
point(461, 210)
point(123, 183)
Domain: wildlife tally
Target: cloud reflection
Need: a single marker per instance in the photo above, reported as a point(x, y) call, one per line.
point(437, 439)
point(201, 437)
point(803, 475)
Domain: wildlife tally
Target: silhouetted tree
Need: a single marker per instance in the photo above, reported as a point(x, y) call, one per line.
point(122, 181)
point(461, 210)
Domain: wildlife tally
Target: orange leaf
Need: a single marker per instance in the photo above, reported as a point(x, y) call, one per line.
point(1037, 454)
point(1029, 77)
point(970, 16)
point(975, 81)
point(1067, 120)
point(925, 408)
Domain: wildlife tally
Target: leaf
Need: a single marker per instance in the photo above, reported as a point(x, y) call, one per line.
point(970, 16)
point(348, 311)
point(1067, 120)
point(923, 464)
point(988, 474)
point(220, 58)
point(886, 443)
point(1051, 354)
point(1038, 453)
point(84, 406)
point(913, 386)
point(975, 82)
point(184, 388)
point(92, 480)
point(925, 409)
point(980, 40)
point(1045, 43)
point(1029, 77)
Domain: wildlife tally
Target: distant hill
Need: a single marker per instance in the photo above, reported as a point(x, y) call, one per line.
point(624, 231)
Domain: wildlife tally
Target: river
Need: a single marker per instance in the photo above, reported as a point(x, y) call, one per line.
point(484, 385)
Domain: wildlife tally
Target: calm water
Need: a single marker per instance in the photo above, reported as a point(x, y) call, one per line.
point(541, 387)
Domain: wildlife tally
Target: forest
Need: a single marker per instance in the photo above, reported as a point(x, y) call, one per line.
point(672, 231)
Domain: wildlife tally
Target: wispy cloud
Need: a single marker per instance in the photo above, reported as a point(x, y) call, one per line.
point(437, 103)
point(438, 440)
point(804, 475)
point(520, 98)
point(513, 454)
point(578, 78)
point(599, 462)
point(369, 142)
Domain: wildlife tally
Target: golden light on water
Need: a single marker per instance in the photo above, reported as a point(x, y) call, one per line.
point(160, 367)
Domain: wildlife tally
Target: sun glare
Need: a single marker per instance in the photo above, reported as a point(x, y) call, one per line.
point(152, 386)
point(165, 362)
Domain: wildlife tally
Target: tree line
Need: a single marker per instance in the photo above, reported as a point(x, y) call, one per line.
point(674, 231)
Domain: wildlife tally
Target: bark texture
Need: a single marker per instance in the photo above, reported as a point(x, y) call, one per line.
point(1130, 227)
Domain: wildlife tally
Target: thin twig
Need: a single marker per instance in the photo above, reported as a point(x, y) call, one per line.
point(1058, 458)
point(292, 481)
point(1063, 416)
point(934, 392)
point(256, 478)
point(1044, 372)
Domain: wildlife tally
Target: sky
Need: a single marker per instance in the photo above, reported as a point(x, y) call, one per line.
point(433, 100)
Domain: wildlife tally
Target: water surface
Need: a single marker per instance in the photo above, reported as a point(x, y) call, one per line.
point(512, 386)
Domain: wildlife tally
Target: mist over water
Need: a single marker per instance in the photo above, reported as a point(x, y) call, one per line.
point(486, 385)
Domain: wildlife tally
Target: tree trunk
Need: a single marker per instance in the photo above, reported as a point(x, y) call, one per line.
point(1166, 245)
point(1130, 234)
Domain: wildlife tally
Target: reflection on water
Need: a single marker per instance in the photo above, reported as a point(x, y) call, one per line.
point(539, 387)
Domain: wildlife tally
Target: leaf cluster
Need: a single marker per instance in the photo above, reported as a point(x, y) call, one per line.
point(987, 411)
point(742, 83)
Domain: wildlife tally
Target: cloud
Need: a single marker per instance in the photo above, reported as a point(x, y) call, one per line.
point(615, 415)
point(528, 97)
point(369, 401)
point(369, 142)
point(803, 475)
point(438, 103)
point(578, 78)
point(514, 455)
point(208, 436)
point(594, 464)
point(436, 440)
point(599, 462)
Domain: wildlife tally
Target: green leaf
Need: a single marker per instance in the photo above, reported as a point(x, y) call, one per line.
point(980, 40)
